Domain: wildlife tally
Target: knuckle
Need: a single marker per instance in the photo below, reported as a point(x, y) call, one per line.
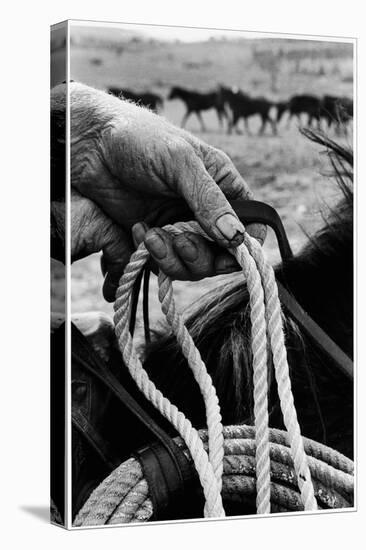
point(210, 160)
point(222, 157)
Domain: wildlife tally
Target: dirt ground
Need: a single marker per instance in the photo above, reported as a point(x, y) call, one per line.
point(286, 170)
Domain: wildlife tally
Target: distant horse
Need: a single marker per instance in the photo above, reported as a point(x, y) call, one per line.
point(147, 99)
point(336, 110)
point(298, 105)
point(196, 102)
point(244, 106)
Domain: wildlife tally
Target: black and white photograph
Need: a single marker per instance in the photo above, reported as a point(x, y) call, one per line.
point(202, 207)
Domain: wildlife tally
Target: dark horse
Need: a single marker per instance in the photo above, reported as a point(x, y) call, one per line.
point(336, 110)
point(298, 105)
point(244, 106)
point(196, 102)
point(147, 99)
point(321, 279)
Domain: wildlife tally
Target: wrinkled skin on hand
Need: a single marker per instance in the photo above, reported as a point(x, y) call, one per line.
point(131, 169)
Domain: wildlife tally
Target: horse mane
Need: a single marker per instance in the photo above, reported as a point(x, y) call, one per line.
point(321, 279)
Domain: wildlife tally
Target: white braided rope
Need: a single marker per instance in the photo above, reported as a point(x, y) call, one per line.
point(259, 361)
point(208, 467)
point(276, 335)
point(265, 306)
point(191, 353)
point(260, 380)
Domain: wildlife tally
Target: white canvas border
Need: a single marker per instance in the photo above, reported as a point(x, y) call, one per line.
point(246, 34)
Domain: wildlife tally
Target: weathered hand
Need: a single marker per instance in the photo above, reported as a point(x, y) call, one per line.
point(137, 167)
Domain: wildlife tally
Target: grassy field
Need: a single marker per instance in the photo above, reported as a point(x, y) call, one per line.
point(286, 170)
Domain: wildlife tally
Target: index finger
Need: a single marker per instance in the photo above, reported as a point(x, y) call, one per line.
point(205, 198)
point(232, 184)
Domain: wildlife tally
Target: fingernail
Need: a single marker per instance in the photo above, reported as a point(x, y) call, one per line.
point(156, 245)
point(187, 248)
point(231, 228)
point(139, 231)
point(109, 288)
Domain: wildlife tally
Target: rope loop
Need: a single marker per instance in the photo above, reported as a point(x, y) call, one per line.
point(266, 333)
point(209, 465)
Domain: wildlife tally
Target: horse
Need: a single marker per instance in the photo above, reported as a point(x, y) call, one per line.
point(147, 99)
point(320, 276)
point(244, 106)
point(196, 102)
point(297, 105)
point(336, 110)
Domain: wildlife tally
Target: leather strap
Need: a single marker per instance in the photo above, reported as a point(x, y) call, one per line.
point(249, 211)
point(171, 480)
point(107, 378)
point(315, 332)
point(80, 422)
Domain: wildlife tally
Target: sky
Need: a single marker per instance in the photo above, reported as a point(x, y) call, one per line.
point(168, 33)
point(184, 34)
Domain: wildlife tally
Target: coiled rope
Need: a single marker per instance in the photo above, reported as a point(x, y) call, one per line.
point(266, 331)
point(123, 497)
